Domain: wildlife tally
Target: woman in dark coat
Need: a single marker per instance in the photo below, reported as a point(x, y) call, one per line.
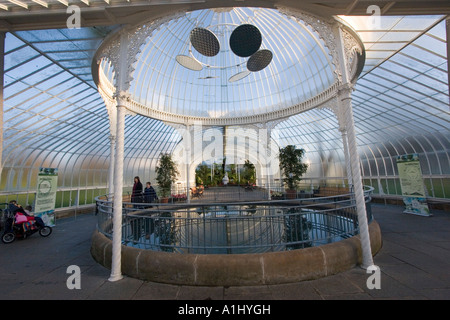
point(136, 194)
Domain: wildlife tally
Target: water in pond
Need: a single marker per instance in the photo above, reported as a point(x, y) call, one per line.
point(236, 229)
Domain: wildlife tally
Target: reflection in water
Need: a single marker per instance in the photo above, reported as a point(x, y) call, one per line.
point(236, 229)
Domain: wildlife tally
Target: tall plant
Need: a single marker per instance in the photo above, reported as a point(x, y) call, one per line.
point(248, 174)
point(292, 166)
point(202, 174)
point(166, 173)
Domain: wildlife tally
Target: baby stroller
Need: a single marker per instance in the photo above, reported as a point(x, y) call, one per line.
point(13, 230)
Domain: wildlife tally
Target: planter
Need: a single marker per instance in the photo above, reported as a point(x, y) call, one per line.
point(291, 194)
point(164, 200)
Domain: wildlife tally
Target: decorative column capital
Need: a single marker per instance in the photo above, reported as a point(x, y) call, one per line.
point(342, 129)
point(122, 98)
point(345, 91)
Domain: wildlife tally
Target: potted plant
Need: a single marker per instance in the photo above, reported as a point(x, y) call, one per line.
point(292, 167)
point(248, 174)
point(179, 197)
point(276, 195)
point(166, 173)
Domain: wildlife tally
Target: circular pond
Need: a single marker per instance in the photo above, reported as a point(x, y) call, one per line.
point(237, 229)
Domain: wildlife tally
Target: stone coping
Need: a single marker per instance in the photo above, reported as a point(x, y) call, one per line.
point(237, 269)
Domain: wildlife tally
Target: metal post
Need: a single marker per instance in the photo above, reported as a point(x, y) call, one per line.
point(187, 149)
point(268, 162)
point(346, 157)
point(112, 115)
point(116, 272)
point(112, 141)
point(367, 259)
point(346, 112)
point(2, 71)
point(121, 97)
point(448, 53)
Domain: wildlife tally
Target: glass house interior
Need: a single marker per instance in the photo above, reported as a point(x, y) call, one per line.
point(54, 116)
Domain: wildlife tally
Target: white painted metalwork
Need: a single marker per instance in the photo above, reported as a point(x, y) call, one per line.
point(54, 116)
point(253, 226)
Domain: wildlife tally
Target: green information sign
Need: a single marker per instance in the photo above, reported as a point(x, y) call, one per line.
point(411, 182)
point(44, 206)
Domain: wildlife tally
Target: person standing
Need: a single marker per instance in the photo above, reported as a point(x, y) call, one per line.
point(136, 194)
point(136, 197)
point(149, 193)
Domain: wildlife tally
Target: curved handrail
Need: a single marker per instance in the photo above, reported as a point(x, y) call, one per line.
point(235, 227)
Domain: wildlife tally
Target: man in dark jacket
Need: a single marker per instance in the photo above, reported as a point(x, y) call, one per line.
point(149, 193)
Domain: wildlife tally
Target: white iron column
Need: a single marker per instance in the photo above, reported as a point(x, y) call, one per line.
point(116, 272)
point(112, 142)
point(343, 131)
point(346, 101)
point(448, 52)
point(122, 96)
point(187, 149)
point(268, 158)
point(340, 114)
point(2, 68)
point(112, 115)
point(346, 113)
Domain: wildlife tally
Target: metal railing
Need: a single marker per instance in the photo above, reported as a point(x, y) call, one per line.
point(250, 227)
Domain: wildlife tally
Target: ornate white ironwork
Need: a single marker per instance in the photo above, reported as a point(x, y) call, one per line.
point(328, 31)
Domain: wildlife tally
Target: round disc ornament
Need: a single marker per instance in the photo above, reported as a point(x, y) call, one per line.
point(259, 60)
point(245, 40)
point(239, 76)
point(205, 42)
point(189, 62)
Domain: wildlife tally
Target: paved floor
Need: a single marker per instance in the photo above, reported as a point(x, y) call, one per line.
point(414, 263)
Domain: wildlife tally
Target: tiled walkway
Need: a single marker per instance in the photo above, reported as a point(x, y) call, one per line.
point(414, 263)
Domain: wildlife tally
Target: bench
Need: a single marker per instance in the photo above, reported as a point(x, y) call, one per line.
point(196, 192)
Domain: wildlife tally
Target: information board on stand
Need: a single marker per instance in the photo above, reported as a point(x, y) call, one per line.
point(411, 182)
point(47, 184)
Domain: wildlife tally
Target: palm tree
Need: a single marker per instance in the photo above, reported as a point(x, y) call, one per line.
point(292, 166)
point(248, 174)
point(202, 173)
point(166, 173)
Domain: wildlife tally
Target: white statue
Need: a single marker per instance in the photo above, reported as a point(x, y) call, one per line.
point(225, 179)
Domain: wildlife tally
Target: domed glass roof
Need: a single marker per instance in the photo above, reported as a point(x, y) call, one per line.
point(54, 116)
point(171, 75)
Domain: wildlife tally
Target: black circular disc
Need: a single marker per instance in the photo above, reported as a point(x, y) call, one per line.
point(245, 40)
point(259, 60)
point(205, 42)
